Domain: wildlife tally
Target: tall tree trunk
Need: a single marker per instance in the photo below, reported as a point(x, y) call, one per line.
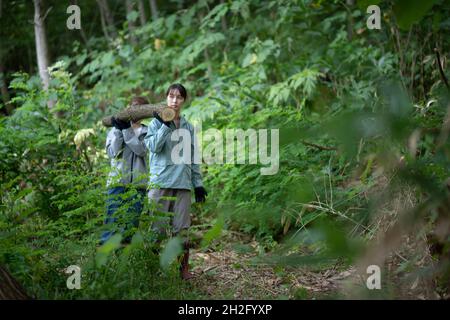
point(142, 14)
point(154, 9)
point(103, 22)
point(131, 27)
point(206, 56)
point(84, 37)
point(208, 64)
point(41, 43)
point(106, 13)
point(350, 4)
point(223, 20)
point(10, 289)
point(4, 89)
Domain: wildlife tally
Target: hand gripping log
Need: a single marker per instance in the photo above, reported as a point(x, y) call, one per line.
point(138, 112)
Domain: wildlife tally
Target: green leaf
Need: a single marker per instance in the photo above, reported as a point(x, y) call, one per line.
point(137, 239)
point(104, 251)
point(363, 4)
point(279, 93)
point(195, 48)
point(136, 242)
point(249, 59)
point(409, 12)
point(171, 251)
point(81, 58)
point(213, 233)
point(108, 59)
point(132, 16)
point(214, 16)
point(241, 7)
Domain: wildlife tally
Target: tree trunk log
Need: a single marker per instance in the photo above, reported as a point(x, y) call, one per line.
point(82, 33)
point(42, 54)
point(10, 289)
point(108, 18)
point(103, 22)
point(41, 43)
point(142, 14)
point(4, 90)
point(131, 26)
point(139, 112)
point(350, 22)
point(154, 9)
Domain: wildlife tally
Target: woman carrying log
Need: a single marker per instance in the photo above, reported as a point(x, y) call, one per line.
point(173, 180)
point(128, 153)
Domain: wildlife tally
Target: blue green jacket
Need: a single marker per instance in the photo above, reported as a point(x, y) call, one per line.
point(163, 171)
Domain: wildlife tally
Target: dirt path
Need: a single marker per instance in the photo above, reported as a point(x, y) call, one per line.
point(229, 273)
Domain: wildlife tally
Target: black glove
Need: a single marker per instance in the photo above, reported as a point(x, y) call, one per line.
point(156, 116)
point(200, 194)
point(119, 124)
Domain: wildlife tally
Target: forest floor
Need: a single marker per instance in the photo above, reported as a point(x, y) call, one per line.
point(229, 272)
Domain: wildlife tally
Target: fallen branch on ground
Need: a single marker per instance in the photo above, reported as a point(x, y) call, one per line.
point(318, 146)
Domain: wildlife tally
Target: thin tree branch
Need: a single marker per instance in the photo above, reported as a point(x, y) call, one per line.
point(444, 78)
point(318, 146)
point(46, 13)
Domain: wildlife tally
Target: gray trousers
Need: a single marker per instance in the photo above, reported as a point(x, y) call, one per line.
point(179, 207)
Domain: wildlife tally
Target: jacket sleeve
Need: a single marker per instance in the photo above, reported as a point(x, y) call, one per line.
point(156, 136)
point(133, 142)
point(196, 173)
point(114, 143)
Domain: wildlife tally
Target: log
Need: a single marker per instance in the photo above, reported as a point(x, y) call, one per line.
point(138, 112)
point(10, 289)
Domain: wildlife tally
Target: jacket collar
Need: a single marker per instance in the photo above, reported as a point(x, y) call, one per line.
point(183, 122)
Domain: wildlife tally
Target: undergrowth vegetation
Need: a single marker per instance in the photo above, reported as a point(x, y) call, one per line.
point(361, 120)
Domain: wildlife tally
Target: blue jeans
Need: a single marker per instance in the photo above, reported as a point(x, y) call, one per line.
point(122, 212)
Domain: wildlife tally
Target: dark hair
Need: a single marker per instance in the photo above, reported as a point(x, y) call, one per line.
point(138, 101)
point(179, 87)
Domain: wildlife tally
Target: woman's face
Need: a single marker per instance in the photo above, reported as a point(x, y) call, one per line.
point(175, 100)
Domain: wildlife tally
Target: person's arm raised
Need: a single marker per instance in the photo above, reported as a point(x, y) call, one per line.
point(114, 143)
point(133, 142)
point(156, 136)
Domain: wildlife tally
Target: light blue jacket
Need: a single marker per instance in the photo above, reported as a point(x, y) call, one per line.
point(163, 171)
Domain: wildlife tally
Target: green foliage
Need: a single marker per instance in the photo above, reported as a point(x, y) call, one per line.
point(409, 12)
point(349, 111)
point(171, 251)
point(213, 233)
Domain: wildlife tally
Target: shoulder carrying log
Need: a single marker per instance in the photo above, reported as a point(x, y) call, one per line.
point(138, 112)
